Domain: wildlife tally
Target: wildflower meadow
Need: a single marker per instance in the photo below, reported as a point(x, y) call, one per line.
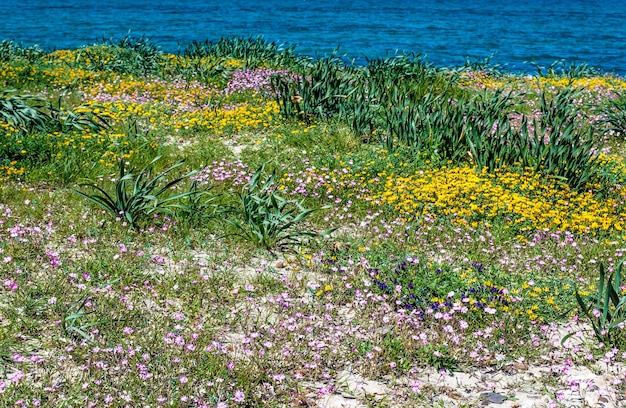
point(238, 225)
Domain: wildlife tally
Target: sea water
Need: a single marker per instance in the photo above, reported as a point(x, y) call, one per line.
point(446, 32)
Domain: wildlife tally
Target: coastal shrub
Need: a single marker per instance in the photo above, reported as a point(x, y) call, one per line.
point(140, 55)
point(401, 77)
point(570, 71)
point(139, 194)
point(559, 109)
point(380, 86)
point(482, 65)
point(569, 155)
point(581, 70)
point(441, 124)
point(454, 129)
point(491, 140)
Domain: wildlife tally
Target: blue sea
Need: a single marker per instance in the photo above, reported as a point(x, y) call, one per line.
point(446, 32)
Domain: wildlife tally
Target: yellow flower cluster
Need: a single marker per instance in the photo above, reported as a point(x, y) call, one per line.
point(179, 105)
point(240, 117)
point(9, 171)
point(96, 54)
point(143, 90)
point(12, 73)
point(220, 120)
point(180, 62)
point(108, 146)
point(482, 80)
point(57, 70)
point(66, 76)
point(525, 200)
point(592, 83)
point(121, 111)
point(8, 129)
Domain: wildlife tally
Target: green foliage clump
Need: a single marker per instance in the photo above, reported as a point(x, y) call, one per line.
point(267, 219)
point(19, 113)
point(254, 52)
point(137, 195)
point(607, 310)
point(11, 51)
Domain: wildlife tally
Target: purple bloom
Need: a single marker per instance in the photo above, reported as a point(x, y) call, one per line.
point(239, 396)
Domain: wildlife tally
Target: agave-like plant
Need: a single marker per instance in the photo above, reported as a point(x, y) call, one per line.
point(16, 111)
point(138, 194)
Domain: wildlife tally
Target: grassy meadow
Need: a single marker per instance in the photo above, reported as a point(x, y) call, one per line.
point(236, 225)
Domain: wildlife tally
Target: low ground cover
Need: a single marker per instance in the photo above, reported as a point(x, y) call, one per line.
point(241, 226)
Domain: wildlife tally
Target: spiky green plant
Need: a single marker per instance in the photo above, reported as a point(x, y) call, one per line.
point(10, 50)
point(24, 112)
point(614, 112)
point(558, 144)
point(321, 94)
point(254, 52)
point(138, 194)
point(607, 310)
point(265, 218)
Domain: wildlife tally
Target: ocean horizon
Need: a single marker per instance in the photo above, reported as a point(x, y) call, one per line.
point(446, 33)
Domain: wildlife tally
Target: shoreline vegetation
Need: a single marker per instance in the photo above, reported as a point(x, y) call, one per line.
point(241, 226)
